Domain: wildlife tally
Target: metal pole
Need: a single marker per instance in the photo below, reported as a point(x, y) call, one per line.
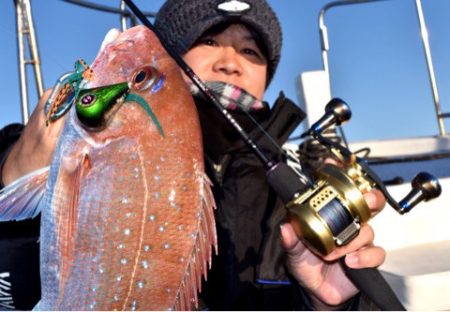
point(431, 75)
point(25, 31)
point(123, 18)
point(21, 52)
point(34, 51)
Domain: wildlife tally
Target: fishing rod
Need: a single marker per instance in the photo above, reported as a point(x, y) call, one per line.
point(328, 212)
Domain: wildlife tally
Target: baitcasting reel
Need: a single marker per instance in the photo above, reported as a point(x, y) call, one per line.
point(329, 213)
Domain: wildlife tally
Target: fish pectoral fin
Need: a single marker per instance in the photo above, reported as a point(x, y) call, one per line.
point(20, 199)
point(73, 182)
point(67, 220)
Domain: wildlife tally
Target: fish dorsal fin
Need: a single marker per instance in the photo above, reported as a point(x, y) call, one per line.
point(202, 251)
point(20, 199)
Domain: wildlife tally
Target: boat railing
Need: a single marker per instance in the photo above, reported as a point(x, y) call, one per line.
point(26, 37)
point(325, 47)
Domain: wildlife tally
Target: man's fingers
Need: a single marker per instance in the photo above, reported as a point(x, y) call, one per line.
point(369, 257)
point(364, 239)
point(288, 237)
point(295, 248)
point(375, 200)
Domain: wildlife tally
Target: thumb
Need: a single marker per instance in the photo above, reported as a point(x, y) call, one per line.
point(290, 241)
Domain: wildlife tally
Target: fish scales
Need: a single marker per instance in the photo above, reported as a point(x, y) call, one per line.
point(127, 221)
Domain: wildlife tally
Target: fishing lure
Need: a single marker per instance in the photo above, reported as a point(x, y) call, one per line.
point(66, 89)
point(95, 106)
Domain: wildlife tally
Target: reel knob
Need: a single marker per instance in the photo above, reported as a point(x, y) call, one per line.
point(424, 187)
point(337, 112)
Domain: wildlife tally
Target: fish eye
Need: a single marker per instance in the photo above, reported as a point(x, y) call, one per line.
point(145, 78)
point(140, 76)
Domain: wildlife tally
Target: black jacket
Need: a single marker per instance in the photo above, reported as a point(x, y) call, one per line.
point(19, 248)
point(248, 273)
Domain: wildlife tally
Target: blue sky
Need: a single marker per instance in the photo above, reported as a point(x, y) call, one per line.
point(377, 61)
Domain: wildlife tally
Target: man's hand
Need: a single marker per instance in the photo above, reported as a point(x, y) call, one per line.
point(35, 147)
point(323, 277)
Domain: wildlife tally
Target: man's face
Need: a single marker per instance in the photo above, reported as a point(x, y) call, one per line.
point(232, 57)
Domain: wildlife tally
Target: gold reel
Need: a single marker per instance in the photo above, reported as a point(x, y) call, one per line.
point(330, 212)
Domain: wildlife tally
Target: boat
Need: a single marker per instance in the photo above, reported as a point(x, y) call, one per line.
point(417, 265)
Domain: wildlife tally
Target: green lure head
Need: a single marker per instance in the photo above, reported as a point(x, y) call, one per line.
point(94, 106)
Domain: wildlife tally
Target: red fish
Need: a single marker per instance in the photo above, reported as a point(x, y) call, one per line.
point(127, 213)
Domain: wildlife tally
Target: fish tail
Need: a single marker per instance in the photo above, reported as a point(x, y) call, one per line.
point(20, 199)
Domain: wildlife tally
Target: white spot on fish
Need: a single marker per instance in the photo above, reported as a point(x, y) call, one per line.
point(180, 227)
point(152, 217)
point(157, 178)
point(172, 196)
point(123, 261)
point(156, 195)
point(166, 245)
point(133, 305)
point(181, 259)
point(145, 264)
point(125, 200)
point(116, 297)
point(162, 159)
point(118, 278)
point(128, 214)
point(161, 228)
point(127, 231)
point(101, 270)
point(140, 284)
point(94, 289)
point(92, 306)
point(120, 246)
point(168, 290)
point(147, 248)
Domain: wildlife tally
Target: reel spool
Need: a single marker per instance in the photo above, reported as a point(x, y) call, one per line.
point(330, 213)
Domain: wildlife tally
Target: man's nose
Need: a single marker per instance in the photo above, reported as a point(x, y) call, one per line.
point(228, 62)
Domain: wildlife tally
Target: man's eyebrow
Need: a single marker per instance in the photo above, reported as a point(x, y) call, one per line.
point(250, 38)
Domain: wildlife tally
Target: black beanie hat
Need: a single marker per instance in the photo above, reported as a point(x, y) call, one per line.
point(182, 22)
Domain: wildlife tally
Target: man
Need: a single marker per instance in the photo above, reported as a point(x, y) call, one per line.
point(235, 47)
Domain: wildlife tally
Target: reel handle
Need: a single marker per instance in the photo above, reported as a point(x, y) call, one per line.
point(424, 188)
point(337, 112)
